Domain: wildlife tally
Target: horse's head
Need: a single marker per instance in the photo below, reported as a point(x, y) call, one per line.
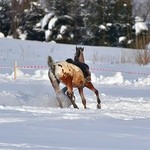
point(79, 54)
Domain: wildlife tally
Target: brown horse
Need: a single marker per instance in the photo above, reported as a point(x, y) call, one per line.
point(79, 54)
point(71, 76)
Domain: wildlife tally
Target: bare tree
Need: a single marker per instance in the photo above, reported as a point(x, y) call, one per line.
point(142, 9)
point(146, 15)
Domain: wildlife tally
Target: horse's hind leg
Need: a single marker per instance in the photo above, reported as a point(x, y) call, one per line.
point(58, 97)
point(82, 97)
point(90, 86)
point(71, 96)
point(57, 91)
point(55, 85)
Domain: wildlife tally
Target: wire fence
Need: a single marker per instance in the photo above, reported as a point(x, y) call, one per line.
point(92, 69)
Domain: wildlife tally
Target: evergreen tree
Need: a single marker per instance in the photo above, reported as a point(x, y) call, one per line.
point(93, 17)
point(67, 19)
point(5, 21)
point(106, 21)
point(119, 14)
point(90, 22)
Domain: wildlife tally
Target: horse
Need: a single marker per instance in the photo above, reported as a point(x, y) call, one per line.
point(72, 77)
point(79, 54)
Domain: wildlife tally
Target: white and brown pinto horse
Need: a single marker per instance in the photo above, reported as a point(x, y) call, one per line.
point(71, 76)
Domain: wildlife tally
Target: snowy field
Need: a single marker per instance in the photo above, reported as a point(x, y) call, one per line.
point(29, 113)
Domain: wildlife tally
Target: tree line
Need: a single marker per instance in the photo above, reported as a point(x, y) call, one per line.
point(88, 22)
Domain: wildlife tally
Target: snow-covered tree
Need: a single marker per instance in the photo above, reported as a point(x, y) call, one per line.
point(58, 28)
point(116, 18)
point(30, 24)
point(142, 9)
point(62, 21)
point(142, 33)
point(5, 21)
point(90, 22)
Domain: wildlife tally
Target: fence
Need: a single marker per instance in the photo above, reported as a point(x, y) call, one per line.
point(15, 67)
point(112, 70)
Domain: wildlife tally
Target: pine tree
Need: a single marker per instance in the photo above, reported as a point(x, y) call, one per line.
point(107, 20)
point(67, 14)
point(5, 21)
point(119, 14)
point(93, 17)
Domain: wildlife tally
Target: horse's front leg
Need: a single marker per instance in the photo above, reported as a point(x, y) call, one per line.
point(82, 97)
point(71, 97)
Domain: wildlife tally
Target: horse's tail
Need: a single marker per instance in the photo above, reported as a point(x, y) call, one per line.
point(51, 74)
point(50, 62)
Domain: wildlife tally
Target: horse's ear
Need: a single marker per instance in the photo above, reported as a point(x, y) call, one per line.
point(76, 48)
point(83, 49)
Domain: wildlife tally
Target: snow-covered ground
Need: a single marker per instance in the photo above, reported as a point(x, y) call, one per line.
point(29, 113)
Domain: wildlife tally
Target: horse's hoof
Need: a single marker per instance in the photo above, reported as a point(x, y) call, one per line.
point(98, 106)
point(61, 106)
point(75, 106)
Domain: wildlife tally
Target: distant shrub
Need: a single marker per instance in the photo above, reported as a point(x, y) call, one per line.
point(142, 57)
point(133, 56)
